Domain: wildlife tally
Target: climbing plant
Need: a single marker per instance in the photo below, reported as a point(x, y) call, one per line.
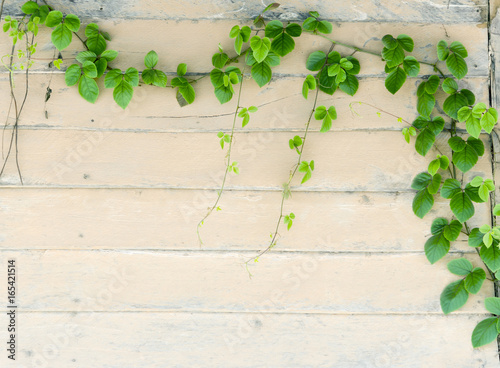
point(261, 47)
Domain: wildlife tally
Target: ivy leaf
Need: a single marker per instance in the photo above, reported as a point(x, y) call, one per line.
point(475, 238)
point(154, 77)
point(473, 126)
point(425, 141)
point(29, 7)
point(261, 73)
point(132, 77)
point(462, 207)
point(113, 78)
point(485, 332)
point(442, 50)
point(72, 22)
point(350, 85)
point(489, 120)
point(223, 93)
point(492, 305)
point(460, 267)
point(450, 188)
point(88, 89)
point(151, 59)
point(260, 47)
point(466, 158)
point(283, 44)
point(450, 86)
point(325, 27)
point(395, 80)
point(452, 231)
point(422, 203)
point(456, 65)
point(315, 61)
point(389, 42)
point(491, 257)
point(294, 29)
point(453, 297)
point(453, 103)
point(425, 104)
point(436, 247)
point(101, 66)
point(458, 48)
point(61, 37)
point(411, 66)
point(187, 91)
point(89, 69)
point(54, 18)
point(85, 56)
point(72, 75)
point(456, 143)
point(109, 55)
point(123, 93)
point(393, 57)
point(406, 42)
point(274, 28)
point(474, 280)
point(326, 83)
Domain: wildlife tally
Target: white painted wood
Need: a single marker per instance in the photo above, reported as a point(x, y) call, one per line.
point(166, 219)
point(131, 340)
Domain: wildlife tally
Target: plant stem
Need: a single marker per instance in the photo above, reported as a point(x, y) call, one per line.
point(228, 163)
point(286, 186)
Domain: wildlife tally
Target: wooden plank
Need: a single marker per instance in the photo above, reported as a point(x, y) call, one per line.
point(167, 219)
point(129, 340)
point(52, 280)
point(134, 38)
point(281, 107)
point(436, 11)
point(349, 161)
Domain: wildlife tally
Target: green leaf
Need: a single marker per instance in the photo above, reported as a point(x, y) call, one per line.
point(393, 57)
point(219, 60)
point(434, 166)
point(350, 85)
point(223, 93)
point(61, 37)
point(456, 65)
point(310, 24)
point(283, 44)
point(294, 29)
point(96, 42)
point(395, 80)
point(465, 159)
point(72, 75)
point(450, 188)
point(54, 18)
point(260, 47)
point(425, 141)
point(432, 84)
point(473, 194)
point(132, 77)
point(485, 332)
point(326, 125)
point(89, 69)
point(438, 225)
point(411, 66)
point(492, 305)
point(450, 86)
point(356, 67)
point(326, 83)
point(274, 29)
point(72, 22)
point(85, 56)
point(462, 207)
point(456, 143)
point(491, 257)
point(444, 161)
point(88, 89)
point(433, 187)
point(109, 55)
point(458, 48)
point(315, 61)
point(442, 50)
point(477, 144)
point(29, 7)
point(460, 267)
point(425, 104)
point(122, 94)
point(421, 181)
point(113, 78)
point(453, 297)
point(471, 98)
point(422, 203)
point(406, 42)
point(475, 238)
point(436, 247)
point(474, 280)
point(151, 59)
point(452, 231)
point(453, 103)
point(325, 27)
point(101, 66)
point(390, 42)
point(181, 69)
point(489, 120)
point(261, 73)
point(187, 91)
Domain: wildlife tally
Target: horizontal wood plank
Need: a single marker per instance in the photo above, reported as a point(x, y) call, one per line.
point(131, 340)
point(436, 11)
point(344, 161)
point(281, 107)
point(166, 219)
point(53, 280)
point(134, 38)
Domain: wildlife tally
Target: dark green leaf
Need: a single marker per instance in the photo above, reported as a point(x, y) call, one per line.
point(475, 238)
point(316, 60)
point(462, 207)
point(456, 65)
point(425, 141)
point(283, 44)
point(395, 80)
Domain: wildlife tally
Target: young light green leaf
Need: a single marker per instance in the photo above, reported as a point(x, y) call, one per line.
point(88, 89)
point(122, 94)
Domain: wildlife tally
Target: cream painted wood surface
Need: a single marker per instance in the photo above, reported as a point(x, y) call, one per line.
point(111, 273)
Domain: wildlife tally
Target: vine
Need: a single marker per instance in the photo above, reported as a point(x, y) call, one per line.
point(445, 174)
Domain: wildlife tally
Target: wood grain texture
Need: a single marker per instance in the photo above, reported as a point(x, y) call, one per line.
point(349, 161)
point(166, 220)
point(200, 281)
point(131, 340)
point(434, 11)
point(134, 38)
point(281, 107)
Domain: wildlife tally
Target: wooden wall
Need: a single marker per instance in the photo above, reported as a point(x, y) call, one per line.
point(104, 229)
